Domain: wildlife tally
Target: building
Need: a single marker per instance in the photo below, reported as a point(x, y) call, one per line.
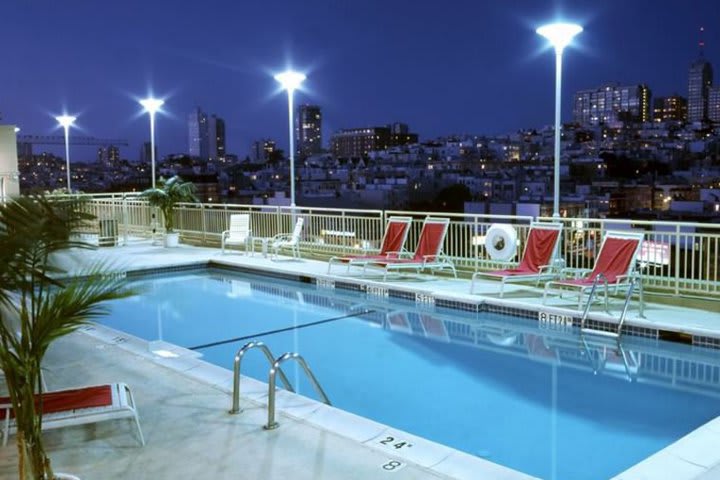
point(612, 104)
point(673, 108)
point(359, 142)
point(700, 79)
point(714, 104)
point(262, 150)
point(216, 138)
point(309, 130)
point(145, 152)
point(109, 155)
point(198, 134)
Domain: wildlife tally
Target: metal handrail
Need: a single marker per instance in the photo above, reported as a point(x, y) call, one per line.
point(236, 371)
point(586, 312)
point(272, 424)
point(628, 297)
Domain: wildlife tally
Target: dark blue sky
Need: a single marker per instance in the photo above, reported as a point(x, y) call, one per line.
point(443, 67)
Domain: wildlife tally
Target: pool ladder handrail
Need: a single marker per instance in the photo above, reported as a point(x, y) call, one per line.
point(272, 424)
point(236, 371)
point(623, 315)
point(593, 291)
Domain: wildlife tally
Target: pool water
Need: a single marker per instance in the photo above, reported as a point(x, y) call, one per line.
point(494, 386)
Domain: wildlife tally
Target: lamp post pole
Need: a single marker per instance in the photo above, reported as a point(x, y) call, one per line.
point(559, 35)
point(152, 105)
point(66, 122)
point(291, 81)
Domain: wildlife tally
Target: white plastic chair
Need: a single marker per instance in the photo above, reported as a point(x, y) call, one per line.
point(286, 240)
point(239, 232)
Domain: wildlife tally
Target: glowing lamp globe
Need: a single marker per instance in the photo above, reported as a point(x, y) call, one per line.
point(152, 105)
point(559, 34)
point(290, 80)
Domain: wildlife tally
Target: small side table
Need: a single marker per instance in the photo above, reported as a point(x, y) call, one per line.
point(263, 242)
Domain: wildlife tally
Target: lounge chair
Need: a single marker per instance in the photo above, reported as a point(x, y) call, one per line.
point(62, 408)
point(614, 267)
point(393, 244)
point(428, 254)
point(288, 240)
point(239, 232)
point(538, 258)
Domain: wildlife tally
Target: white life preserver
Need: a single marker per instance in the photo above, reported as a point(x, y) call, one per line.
point(501, 241)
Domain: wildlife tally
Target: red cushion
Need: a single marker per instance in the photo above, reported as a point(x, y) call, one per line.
point(66, 400)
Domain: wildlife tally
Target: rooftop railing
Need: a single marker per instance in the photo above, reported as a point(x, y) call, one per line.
point(678, 258)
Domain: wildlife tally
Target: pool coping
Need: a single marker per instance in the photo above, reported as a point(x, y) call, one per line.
point(424, 453)
point(687, 457)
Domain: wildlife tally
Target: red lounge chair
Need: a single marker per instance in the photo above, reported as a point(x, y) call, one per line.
point(428, 254)
point(614, 266)
point(538, 258)
point(78, 406)
point(393, 244)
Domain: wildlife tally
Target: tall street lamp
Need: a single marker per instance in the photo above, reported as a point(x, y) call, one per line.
point(559, 35)
point(66, 121)
point(152, 105)
point(291, 81)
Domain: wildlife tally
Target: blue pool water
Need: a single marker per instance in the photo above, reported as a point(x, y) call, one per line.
point(491, 385)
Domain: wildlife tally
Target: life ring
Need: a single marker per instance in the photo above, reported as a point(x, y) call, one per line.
point(501, 241)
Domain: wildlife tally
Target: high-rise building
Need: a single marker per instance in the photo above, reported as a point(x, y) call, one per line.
point(198, 140)
point(611, 104)
point(146, 152)
point(216, 138)
point(309, 130)
point(220, 138)
point(714, 104)
point(673, 107)
point(699, 81)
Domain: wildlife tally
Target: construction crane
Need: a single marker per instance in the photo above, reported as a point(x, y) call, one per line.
point(73, 140)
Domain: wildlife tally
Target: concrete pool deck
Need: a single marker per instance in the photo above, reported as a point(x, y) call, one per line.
point(183, 402)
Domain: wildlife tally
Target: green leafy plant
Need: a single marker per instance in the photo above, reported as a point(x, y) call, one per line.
point(38, 305)
point(169, 193)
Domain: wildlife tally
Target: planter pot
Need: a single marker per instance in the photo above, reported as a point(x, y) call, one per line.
point(172, 239)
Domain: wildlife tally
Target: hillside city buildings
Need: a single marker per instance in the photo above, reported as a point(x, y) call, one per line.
point(624, 153)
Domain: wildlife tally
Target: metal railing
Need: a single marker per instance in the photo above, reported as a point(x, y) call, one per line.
point(237, 368)
point(679, 258)
point(272, 424)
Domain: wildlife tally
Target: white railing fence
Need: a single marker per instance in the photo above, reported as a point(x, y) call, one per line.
point(677, 258)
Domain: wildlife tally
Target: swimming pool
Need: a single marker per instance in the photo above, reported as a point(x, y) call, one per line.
point(491, 385)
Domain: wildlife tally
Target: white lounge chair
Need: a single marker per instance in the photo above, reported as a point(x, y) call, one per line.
point(239, 232)
point(62, 408)
point(288, 240)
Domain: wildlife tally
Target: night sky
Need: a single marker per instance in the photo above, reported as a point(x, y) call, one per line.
point(443, 67)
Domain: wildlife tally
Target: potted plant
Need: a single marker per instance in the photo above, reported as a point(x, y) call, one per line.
point(167, 194)
point(37, 307)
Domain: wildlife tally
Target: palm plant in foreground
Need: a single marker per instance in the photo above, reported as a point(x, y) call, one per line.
point(38, 305)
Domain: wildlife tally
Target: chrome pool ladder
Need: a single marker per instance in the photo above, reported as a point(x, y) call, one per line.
point(635, 282)
point(274, 371)
point(236, 371)
point(272, 424)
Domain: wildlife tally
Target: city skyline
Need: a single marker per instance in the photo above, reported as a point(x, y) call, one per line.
point(478, 69)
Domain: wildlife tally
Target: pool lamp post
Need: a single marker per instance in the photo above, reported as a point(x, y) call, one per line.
point(291, 81)
point(559, 35)
point(66, 121)
point(152, 105)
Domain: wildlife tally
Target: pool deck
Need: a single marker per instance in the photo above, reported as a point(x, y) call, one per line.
point(183, 401)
